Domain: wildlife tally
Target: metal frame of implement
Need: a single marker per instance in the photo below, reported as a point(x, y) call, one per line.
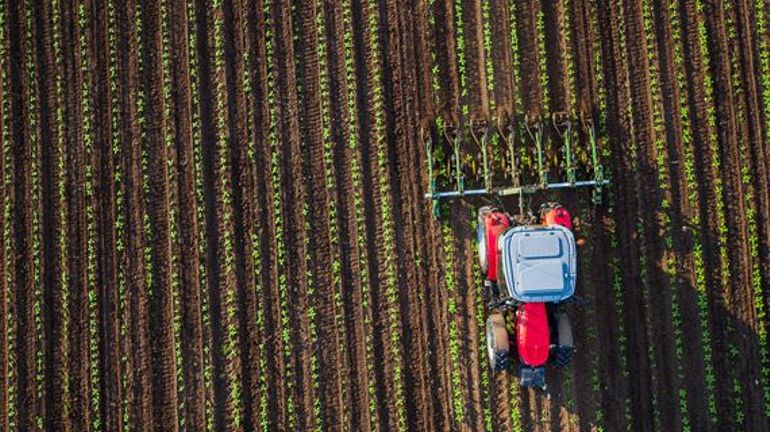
point(535, 131)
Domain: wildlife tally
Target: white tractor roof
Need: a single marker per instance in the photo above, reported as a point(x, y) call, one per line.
point(539, 263)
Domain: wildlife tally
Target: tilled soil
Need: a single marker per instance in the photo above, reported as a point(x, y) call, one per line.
point(243, 243)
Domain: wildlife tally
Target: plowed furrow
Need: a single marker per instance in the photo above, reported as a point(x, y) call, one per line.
point(22, 232)
point(732, 196)
point(618, 128)
point(293, 199)
point(398, 158)
point(475, 62)
point(529, 58)
point(753, 121)
point(216, 278)
point(140, 410)
point(703, 145)
point(243, 211)
point(157, 199)
point(656, 280)
point(330, 385)
point(190, 299)
point(502, 60)
point(344, 198)
point(268, 246)
point(367, 74)
point(556, 56)
point(446, 61)
point(54, 367)
point(104, 196)
point(681, 213)
point(423, 62)
point(583, 35)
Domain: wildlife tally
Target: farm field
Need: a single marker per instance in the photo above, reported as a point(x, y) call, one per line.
point(213, 212)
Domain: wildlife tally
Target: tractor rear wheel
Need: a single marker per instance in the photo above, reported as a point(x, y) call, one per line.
point(498, 344)
point(565, 344)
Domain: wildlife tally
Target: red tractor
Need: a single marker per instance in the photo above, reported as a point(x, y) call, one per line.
point(529, 263)
point(529, 269)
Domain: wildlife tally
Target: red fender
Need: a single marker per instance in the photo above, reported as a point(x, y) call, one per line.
point(494, 224)
point(558, 216)
point(532, 334)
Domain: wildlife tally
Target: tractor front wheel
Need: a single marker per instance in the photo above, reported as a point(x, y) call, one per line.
point(498, 344)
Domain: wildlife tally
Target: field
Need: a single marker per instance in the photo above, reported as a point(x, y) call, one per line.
point(212, 212)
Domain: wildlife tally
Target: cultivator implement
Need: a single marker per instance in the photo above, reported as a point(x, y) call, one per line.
point(522, 140)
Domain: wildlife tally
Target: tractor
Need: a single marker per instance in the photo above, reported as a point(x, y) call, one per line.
point(529, 261)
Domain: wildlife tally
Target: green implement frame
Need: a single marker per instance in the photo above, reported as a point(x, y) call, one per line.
point(534, 131)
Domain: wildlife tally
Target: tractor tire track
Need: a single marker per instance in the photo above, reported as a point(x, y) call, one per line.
point(344, 200)
point(366, 73)
point(586, 106)
point(732, 196)
point(753, 121)
point(320, 245)
point(475, 62)
point(502, 61)
point(709, 225)
point(446, 61)
point(656, 280)
point(530, 89)
point(22, 230)
point(217, 284)
point(398, 141)
point(54, 367)
point(268, 246)
point(157, 201)
point(190, 298)
point(618, 125)
point(293, 199)
point(556, 56)
point(681, 213)
point(243, 189)
point(105, 213)
point(140, 384)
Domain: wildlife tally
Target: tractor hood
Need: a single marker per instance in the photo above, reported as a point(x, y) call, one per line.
point(538, 263)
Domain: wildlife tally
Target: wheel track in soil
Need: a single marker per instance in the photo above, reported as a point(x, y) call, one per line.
point(343, 156)
point(320, 242)
point(54, 367)
point(397, 154)
point(554, 408)
point(104, 217)
point(753, 124)
point(268, 245)
point(681, 213)
point(140, 385)
point(530, 89)
point(502, 61)
point(190, 298)
point(587, 326)
point(732, 196)
point(293, 199)
point(618, 125)
point(446, 62)
point(371, 174)
point(656, 281)
point(243, 189)
point(4, 307)
point(216, 278)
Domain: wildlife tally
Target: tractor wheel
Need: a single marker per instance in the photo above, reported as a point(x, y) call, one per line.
point(565, 343)
point(481, 236)
point(498, 345)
